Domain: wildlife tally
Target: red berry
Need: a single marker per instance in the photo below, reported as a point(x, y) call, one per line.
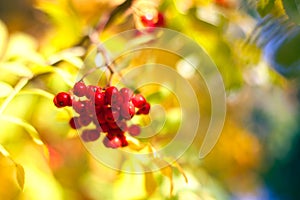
point(62, 99)
point(123, 140)
point(138, 100)
point(79, 89)
point(90, 135)
point(144, 110)
point(134, 130)
point(79, 106)
point(94, 135)
point(160, 20)
point(99, 98)
point(91, 90)
point(115, 132)
point(113, 125)
point(74, 123)
point(122, 125)
point(126, 93)
point(110, 115)
point(110, 94)
point(113, 143)
point(104, 127)
point(85, 120)
point(127, 110)
point(101, 117)
point(149, 20)
point(89, 107)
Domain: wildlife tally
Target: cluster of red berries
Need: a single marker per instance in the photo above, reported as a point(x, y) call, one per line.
point(109, 109)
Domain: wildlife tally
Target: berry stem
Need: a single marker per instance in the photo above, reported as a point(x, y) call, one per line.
point(94, 37)
point(90, 72)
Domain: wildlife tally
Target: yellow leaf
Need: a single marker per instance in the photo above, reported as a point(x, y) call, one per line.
point(17, 68)
point(150, 183)
point(168, 172)
point(28, 127)
point(181, 171)
point(3, 151)
point(12, 176)
point(35, 91)
point(20, 175)
point(67, 77)
point(5, 89)
point(22, 45)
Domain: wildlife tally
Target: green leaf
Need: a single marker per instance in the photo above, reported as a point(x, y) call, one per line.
point(28, 127)
point(264, 7)
point(292, 9)
point(20, 176)
point(16, 68)
point(5, 89)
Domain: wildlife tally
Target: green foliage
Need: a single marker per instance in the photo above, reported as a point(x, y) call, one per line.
point(292, 9)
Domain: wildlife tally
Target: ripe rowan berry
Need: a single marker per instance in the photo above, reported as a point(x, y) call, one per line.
point(144, 110)
point(79, 89)
point(62, 99)
point(74, 123)
point(134, 130)
point(138, 100)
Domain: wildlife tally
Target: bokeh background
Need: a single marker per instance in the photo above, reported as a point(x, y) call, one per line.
point(255, 45)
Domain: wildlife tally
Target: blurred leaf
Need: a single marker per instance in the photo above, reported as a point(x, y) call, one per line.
point(37, 69)
point(292, 9)
point(16, 68)
point(5, 89)
point(11, 174)
point(150, 183)
point(20, 175)
point(220, 50)
point(35, 91)
point(69, 55)
point(66, 77)
point(181, 171)
point(168, 172)
point(28, 127)
point(22, 45)
point(67, 25)
point(121, 9)
point(3, 151)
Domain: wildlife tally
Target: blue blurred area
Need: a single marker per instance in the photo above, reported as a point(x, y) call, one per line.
point(280, 40)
